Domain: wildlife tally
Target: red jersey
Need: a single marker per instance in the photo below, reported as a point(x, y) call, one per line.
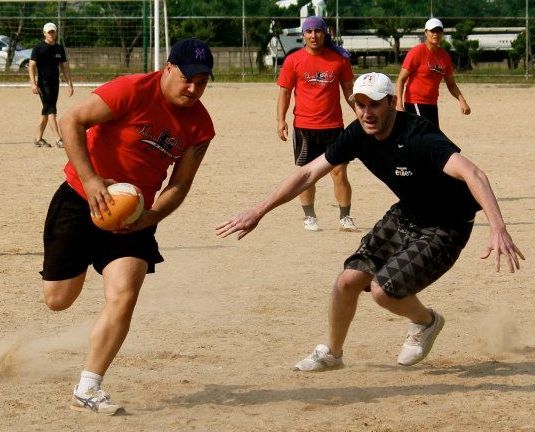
point(145, 136)
point(426, 70)
point(316, 82)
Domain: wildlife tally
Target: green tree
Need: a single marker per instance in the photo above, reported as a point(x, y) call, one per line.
point(518, 53)
point(228, 32)
point(127, 26)
point(18, 21)
point(393, 19)
point(466, 51)
point(216, 31)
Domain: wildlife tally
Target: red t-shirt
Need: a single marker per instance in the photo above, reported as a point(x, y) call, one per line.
point(316, 82)
point(426, 69)
point(145, 136)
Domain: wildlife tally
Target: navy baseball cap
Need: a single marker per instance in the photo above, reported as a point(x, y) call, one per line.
point(192, 56)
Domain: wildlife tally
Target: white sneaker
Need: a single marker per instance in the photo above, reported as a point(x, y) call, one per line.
point(311, 223)
point(347, 224)
point(420, 341)
point(94, 400)
point(321, 359)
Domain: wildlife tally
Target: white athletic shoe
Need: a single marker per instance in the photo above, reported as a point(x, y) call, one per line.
point(321, 359)
point(347, 224)
point(420, 341)
point(94, 400)
point(311, 223)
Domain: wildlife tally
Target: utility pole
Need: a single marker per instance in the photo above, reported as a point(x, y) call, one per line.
point(243, 40)
point(527, 54)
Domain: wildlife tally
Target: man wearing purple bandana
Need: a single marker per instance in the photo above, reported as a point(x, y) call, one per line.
point(315, 74)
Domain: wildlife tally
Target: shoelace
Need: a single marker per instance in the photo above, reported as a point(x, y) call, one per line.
point(414, 336)
point(102, 396)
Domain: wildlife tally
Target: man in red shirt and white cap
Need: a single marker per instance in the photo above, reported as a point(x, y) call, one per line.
point(422, 71)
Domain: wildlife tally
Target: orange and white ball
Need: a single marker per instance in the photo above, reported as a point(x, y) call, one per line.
point(127, 208)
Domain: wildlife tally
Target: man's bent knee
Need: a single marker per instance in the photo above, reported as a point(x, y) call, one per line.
point(60, 295)
point(57, 301)
point(380, 296)
point(352, 281)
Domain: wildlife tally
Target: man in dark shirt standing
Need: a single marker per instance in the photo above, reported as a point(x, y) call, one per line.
point(48, 58)
point(417, 240)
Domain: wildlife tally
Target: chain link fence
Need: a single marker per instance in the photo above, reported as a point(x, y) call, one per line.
point(104, 39)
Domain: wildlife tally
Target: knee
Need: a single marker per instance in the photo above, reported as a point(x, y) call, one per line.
point(339, 176)
point(60, 295)
point(123, 302)
point(348, 283)
point(380, 296)
point(57, 302)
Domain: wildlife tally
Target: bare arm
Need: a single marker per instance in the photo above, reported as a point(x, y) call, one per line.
point(500, 241)
point(173, 195)
point(400, 87)
point(347, 90)
point(73, 126)
point(456, 93)
point(283, 104)
point(66, 70)
point(293, 185)
point(32, 71)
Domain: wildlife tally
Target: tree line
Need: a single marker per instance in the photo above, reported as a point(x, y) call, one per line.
point(120, 23)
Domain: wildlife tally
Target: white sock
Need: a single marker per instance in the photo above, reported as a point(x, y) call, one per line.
point(88, 380)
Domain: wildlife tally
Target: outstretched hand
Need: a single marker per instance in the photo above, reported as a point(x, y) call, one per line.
point(502, 244)
point(243, 224)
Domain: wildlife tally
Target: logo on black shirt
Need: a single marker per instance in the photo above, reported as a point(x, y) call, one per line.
point(403, 172)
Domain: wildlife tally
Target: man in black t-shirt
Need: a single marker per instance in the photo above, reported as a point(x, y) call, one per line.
point(418, 239)
point(47, 59)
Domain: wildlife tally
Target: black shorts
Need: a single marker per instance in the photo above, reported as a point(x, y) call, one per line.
point(403, 257)
point(72, 242)
point(430, 112)
point(311, 143)
point(49, 97)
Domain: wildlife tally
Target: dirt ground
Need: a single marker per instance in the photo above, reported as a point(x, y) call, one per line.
point(219, 326)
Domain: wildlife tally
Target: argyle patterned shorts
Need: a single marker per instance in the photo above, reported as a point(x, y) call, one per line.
point(403, 257)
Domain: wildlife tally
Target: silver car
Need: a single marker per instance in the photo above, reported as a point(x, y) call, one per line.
point(21, 59)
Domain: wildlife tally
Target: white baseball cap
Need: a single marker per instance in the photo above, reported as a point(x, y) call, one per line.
point(49, 26)
point(433, 23)
point(374, 85)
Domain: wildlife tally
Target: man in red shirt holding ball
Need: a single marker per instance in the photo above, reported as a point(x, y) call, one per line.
point(129, 130)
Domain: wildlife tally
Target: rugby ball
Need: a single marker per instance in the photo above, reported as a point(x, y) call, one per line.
point(127, 207)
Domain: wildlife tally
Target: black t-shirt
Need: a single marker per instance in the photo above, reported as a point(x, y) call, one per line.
point(411, 162)
point(48, 58)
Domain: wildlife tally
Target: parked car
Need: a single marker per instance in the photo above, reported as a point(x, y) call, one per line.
point(21, 59)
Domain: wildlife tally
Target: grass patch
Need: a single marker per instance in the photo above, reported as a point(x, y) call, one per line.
point(483, 75)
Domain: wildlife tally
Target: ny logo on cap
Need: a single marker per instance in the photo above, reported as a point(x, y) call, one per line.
point(200, 54)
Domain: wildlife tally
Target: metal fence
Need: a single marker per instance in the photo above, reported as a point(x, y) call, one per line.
point(118, 41)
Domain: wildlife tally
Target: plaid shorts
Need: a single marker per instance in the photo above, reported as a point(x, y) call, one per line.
point(403, 257)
